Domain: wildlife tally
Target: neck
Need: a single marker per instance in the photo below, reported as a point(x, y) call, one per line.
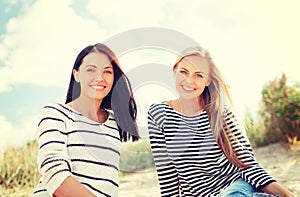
point(87, 107)
point(189, 106)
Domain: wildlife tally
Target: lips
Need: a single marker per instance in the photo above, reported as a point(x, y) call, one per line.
point(98, 87)
point(187, 88)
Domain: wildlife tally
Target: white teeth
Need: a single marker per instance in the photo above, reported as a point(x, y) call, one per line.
point(98, 87)
point(188, 88)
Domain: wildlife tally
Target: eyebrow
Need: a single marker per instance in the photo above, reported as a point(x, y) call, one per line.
point(106, 67)
point(109, 66)
point(195, 72)
point(90, 65)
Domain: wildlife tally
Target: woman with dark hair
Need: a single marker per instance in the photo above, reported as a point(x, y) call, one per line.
point(79, 141)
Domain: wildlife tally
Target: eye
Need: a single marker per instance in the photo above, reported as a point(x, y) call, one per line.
point(199, 75)
point(91, 70)
point(183, 71)
point(108, 71)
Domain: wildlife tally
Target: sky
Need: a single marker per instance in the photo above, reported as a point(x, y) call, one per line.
point(251, 42)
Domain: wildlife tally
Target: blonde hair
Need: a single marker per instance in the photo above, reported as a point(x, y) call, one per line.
point(214, 98)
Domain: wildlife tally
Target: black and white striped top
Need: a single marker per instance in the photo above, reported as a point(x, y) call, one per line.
point(70, 144)
point(189, 161)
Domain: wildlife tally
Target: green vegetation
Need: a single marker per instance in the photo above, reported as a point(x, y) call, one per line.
point(136, 156)
point(278, 118)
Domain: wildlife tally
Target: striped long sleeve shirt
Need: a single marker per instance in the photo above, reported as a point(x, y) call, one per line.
point(70, 144)
point(189, 161)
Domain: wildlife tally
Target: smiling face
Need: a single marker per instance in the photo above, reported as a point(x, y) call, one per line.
point(192, 75)
point(95, 75)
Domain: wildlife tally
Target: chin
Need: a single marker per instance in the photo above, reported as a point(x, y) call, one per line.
point(188, 97)
point(100, 96)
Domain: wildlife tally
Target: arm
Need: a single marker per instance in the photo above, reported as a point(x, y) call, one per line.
point(167, 175)
point(276, 189)
point(254, 174)
point(53, 160)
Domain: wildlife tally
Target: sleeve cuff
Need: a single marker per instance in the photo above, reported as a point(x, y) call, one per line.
point(267, 183)
point(54, 184)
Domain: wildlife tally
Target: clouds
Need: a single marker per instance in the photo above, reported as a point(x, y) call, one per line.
point(41, 43)
point(124, 15)
point(17, 135)
point(250, 41)
point(43, 40)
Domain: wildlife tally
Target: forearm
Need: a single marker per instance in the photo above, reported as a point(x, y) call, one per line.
point(70, 187)
point(275, 188)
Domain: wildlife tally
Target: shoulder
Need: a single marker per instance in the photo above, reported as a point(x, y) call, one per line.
point(111, 119)
point(157, 113)
point(55, 109)
point(51, 107)
point(228, 112)
point(157, 108)
point(52, 113)
point(233, 122)
point(111, 115)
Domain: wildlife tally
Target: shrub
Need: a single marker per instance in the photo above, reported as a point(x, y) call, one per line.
point(279, 114)
point(136, 156)
point(280, 110)
point(254, 131)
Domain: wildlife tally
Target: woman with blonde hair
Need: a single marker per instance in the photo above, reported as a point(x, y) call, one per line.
point(198, 146)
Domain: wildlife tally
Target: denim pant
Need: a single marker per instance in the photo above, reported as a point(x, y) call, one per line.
point(238, 188)
point(241, 188)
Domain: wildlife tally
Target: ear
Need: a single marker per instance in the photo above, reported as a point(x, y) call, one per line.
point(75, 74)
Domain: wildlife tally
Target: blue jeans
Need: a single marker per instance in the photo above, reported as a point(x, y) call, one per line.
point(238, 188)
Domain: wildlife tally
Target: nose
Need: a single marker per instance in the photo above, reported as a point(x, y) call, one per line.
point(189, 78)
point(99, 76)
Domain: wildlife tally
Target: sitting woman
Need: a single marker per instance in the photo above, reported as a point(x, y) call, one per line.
point(198, 147)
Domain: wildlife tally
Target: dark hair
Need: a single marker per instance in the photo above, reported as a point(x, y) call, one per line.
point(120, 99)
